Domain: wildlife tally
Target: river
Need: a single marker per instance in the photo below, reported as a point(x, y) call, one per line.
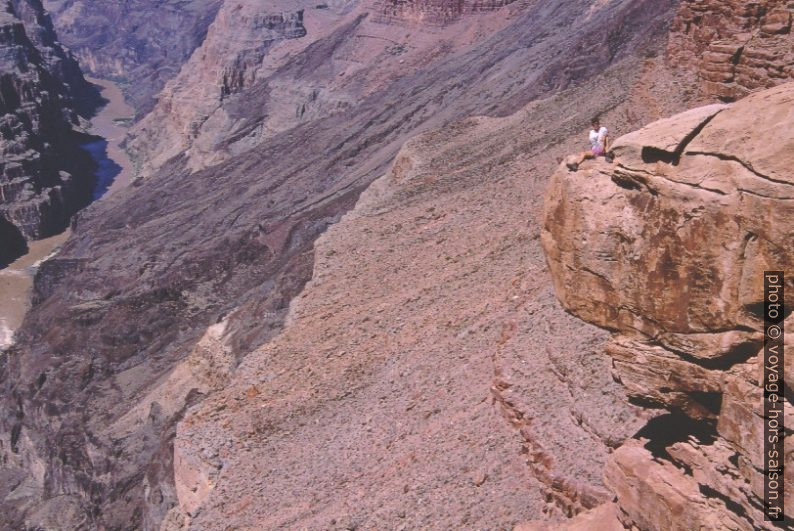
point(114, 172)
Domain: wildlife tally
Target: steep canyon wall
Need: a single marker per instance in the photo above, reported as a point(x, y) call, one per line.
point(166, 287)
point(44, 177)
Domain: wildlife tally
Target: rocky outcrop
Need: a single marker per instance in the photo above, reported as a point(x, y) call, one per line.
point(736, 47)
point(434, 12)
point(140, 43)
point(191, 108)
point(205, 111)
point(151, 268)
point(44, 176)
point(667, 249)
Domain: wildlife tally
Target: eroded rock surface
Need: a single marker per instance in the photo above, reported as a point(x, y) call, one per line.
point(44, 176)
point(736, 47)
point(425, 377)
point(151, 268)
point(667, 248)
point(138, 42)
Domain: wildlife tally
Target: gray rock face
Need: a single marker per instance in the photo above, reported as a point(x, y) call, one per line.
point(44, 176)
point(60, 62)
point(139, 42)
point(86, 430)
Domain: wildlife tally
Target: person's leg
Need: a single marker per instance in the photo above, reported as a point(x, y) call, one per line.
point(573, 165)
point(586, 155)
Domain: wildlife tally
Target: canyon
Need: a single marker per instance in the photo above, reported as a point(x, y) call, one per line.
point(44, 177)
point(323, 300)
point(138, 43)
point(112, 172)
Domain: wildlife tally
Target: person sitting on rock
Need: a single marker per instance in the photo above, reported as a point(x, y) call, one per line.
point(599, 145)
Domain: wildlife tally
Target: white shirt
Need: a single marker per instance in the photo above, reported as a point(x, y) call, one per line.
point(597, 137)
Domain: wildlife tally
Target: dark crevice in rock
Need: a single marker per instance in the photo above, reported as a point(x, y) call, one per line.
point(625, 183)
point(739, 354)
point(652, 154)
point(736, 57)
point(668, 177)
point(729, 503)
point(644, 402)
point(711, 401)
point(757, 310)
point(16, 430)
point(746, 165)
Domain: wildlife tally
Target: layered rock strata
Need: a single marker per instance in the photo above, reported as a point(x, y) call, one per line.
point(425, 377)
point(151, 268)
point(735, 46)
point(191, 108)
point(667, 249)
point(140, 43)
point(436, 12)
point(44, 176)
point(362, 52)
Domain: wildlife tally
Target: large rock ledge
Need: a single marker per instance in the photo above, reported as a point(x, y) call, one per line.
point(666, 248)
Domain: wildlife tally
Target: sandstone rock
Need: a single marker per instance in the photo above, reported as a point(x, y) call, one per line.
point(668, 210)
point(654, 494)
point(667, 249)
point(736, 47)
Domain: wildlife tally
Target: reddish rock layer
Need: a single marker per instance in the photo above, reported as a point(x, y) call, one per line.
point(667, 248)
point(735, 46)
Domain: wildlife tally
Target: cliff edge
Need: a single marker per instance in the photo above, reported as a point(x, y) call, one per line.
point(666, 249)
point(44, 176)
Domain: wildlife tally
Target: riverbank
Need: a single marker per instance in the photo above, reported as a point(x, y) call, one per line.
point(114, 173)
point(112, 124)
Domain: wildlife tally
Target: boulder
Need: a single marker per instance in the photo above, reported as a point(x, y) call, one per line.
point(667, 249)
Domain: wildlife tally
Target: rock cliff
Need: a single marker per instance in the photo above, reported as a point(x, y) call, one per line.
point(59, 61)
point(193, 109)
point(436, 12)
point(735, 46)
point(140, 43)
point(666, 249)
point(166, 287)
point(44, 176)
point(200, 112)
